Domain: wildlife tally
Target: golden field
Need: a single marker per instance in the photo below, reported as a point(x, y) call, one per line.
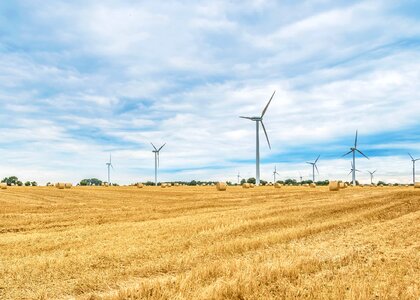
point(197, 243)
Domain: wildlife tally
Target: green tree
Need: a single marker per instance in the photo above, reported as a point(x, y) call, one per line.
point(91, 181)
point(34, 183)
point(251, 180)
point(27, 183)
point(290, 181)
point(243, 181)
point(11, 180)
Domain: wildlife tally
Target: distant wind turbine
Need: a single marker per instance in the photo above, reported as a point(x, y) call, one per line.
point(257, 121)
point(156, 152)
point(414, 167)
point(352, 170)
point(239, 177)
point(313, 168)
point(353, 151)
point(109, 165)
point(300, 176)
point(275, 173)
point(371, 176)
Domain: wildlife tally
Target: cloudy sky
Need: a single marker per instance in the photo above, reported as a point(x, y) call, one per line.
point(82, 79)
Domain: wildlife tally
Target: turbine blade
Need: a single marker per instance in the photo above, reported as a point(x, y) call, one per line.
point(309, 163)
point(350, 172)
point(266, 135)
point(362, 153)
point(412, 158)
point(265, 109)
point(249, 118)
point(153, 146)
point(316, 168)
point(355, 141)
point(374, 172)
point(317, 158)
point(162, 147)
point(347, 153)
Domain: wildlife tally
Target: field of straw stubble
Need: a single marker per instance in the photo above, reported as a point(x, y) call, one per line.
point(197, 243)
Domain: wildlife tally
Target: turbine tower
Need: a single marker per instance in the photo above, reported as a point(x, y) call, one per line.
point(239, 176)
point(275, 173)
point(156, 152)
point(109, 165)
point(257, 121)
point(371, 176)
point(313, 168)
point(414, 167)
point(300, 176)
point(353, 151)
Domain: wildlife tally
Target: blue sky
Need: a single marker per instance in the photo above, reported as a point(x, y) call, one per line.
point(79, 80)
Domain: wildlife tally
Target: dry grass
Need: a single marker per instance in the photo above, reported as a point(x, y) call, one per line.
point(197, 243)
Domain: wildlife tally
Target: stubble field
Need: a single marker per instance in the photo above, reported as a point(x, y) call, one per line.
point(197, 243)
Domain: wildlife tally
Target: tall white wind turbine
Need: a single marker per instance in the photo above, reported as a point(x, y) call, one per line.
point(109, 165)
point(239, 177)
point(257, 121)
point(353, 151)
point(414, 167)
point(157, 152)
point(314, 167)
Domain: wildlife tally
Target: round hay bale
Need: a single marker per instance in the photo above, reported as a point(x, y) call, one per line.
point(306, 185)
point(221, 186)
point(277, 185)
point(3, 186)
point(334, 186)
point(68, 185)
point(417, 185)
point(312, 185)
point(60, 185)
point(163, 185)
point(251, 185)
point(341, 185)
point(246, 185)
point(139, 185)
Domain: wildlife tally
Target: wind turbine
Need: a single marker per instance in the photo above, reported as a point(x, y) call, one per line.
point(353, 151)
point(257, 121)
point(352, 170)
point(313, 168)
point(300, 176)
point(109, 165)
point(275, 173)
point(239, 176)
point(156, 152)
point(414, 167)
point(371, 176)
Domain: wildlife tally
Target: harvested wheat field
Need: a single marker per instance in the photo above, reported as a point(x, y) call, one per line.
point(200, 243)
